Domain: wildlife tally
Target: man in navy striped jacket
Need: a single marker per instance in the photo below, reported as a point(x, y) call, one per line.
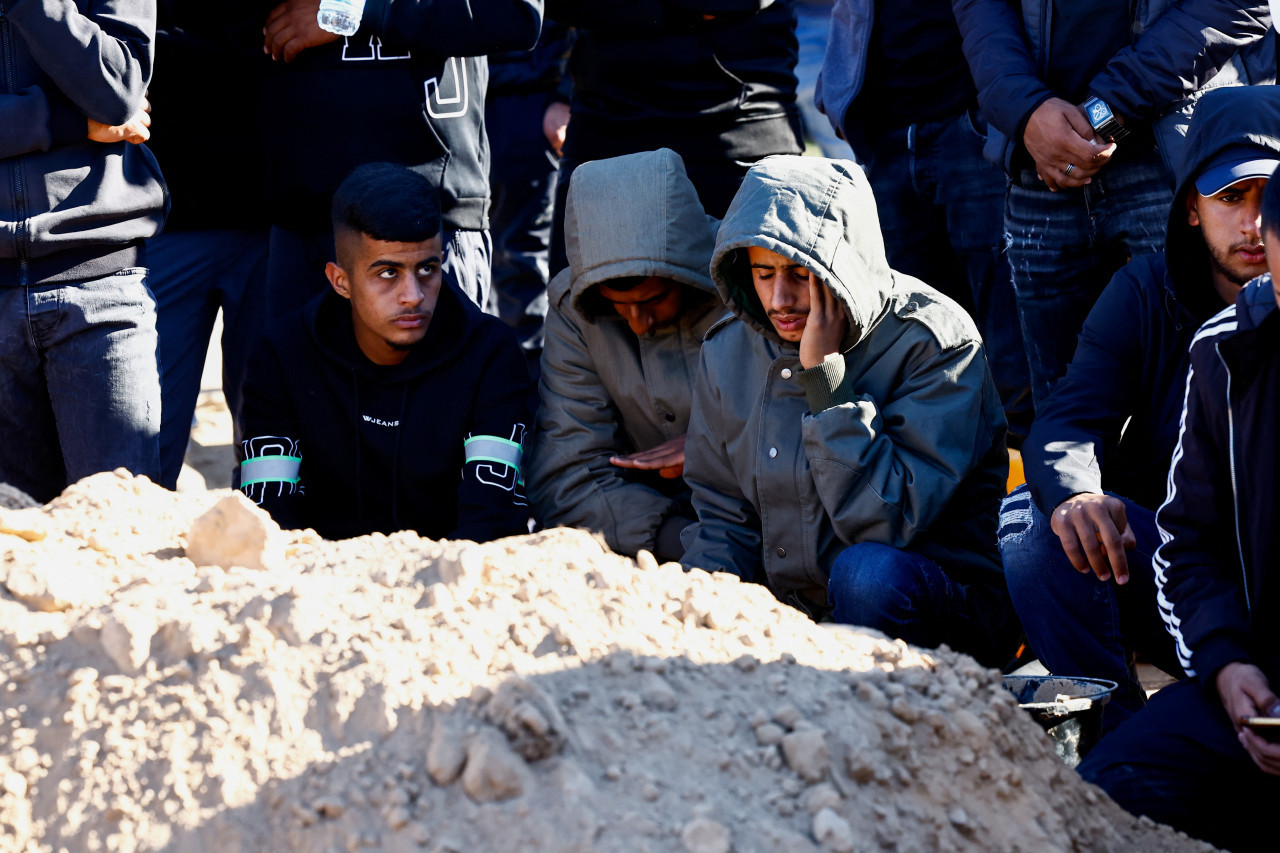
point(1189, 758)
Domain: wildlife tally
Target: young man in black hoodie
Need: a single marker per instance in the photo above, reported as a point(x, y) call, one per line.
point(1190, 759)
point(1077, 544)
point(390, 402)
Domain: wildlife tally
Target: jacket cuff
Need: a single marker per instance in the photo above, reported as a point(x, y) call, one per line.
point(1213, 655)
point(826, 384)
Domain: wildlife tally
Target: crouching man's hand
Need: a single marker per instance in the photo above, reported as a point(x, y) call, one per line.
point(667, 459)
point(1095, 533)
point(825, 327)
point(1245, 693)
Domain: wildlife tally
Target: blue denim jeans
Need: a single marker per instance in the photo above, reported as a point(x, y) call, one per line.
point(1179, 763)
point(1076, 624)
point(193, 274)
point(1066, 245)
point(78, 381)
point(910, 597)
point(941, 207)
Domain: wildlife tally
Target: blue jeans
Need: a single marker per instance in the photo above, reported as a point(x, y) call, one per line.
point(79, 382)
point(941, 207)
point(1076, 624)
point(1066, 245)
point(1179, 762)
point(193, 274)
point(910, 597)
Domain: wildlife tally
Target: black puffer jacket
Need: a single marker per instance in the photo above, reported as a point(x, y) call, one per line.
point(1111, 423)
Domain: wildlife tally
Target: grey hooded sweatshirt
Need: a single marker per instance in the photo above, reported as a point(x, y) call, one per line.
point(606, 392)
point(899, 439)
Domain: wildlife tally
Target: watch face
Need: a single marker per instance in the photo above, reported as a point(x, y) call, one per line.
point(1098, 113)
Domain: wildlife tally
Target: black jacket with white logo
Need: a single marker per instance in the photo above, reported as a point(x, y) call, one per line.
point(347, 447)
point(407, 88)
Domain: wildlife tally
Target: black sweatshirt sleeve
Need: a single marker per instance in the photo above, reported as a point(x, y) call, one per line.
point(491, 496)
point(101, 61)
point(270, 456)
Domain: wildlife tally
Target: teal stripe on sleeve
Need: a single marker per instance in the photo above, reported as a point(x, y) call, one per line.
point(269, 469)
point(490, 448)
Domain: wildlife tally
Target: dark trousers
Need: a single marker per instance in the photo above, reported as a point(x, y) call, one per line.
point(193, 274)
point(522, 185)
point(1178, 762)
point(941, 209)
point(910, 597)
point(1078, 625)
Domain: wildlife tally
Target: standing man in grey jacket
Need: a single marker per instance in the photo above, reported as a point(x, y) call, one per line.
point(79, 194)
point(847, 446)
point(622, 346)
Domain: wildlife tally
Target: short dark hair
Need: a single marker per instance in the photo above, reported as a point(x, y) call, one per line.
point(387, 202)
point(1271, 206)
point(624, 283)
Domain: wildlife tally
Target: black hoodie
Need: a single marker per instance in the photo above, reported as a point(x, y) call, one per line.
point(347, 447)
point(1112, 422)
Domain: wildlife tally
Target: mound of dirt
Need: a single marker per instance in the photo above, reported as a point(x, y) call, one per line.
point(534, 694)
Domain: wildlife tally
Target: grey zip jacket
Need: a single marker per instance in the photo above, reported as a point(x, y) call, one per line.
point(606, 392)
point(899, 439)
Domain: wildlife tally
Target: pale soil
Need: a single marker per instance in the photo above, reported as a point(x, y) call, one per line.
point(537, 693)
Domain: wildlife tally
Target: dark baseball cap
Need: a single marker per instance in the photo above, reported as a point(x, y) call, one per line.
point(1234, 164)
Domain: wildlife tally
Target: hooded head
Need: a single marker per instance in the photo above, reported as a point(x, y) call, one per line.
point(1232, 148)
point(818, 214)
point(631, 219)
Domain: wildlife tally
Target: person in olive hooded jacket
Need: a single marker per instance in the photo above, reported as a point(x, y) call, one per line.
point(847, 445)
point(622, 345)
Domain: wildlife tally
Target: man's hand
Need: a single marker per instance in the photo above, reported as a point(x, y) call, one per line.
point(667, 458)
point(1245, 693)
point(1095, 534)
point(825, 328)
point(135, 130)
point(1059, 135)
point(291, 28)
point(555, 124)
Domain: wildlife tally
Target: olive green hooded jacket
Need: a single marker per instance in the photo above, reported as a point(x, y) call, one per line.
point(606, 392)
point(898, 440)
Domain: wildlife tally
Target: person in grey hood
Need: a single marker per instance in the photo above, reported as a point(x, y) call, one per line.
point(847, 446)
point(623, 336)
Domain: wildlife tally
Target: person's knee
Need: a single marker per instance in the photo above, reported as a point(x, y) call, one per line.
point(873, 585)
point(1029, 549)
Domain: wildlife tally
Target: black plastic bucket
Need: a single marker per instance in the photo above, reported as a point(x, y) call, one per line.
point(1068, 709)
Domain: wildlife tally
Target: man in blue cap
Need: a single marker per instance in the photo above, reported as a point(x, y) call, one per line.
point(1077, 541)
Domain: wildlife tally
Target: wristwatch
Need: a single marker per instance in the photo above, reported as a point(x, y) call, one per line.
point(1104, 122)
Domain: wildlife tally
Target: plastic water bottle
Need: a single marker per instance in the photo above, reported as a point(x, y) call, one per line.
point(340, 16)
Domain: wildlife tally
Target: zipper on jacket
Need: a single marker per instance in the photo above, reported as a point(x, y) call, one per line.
point(1235, 491)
